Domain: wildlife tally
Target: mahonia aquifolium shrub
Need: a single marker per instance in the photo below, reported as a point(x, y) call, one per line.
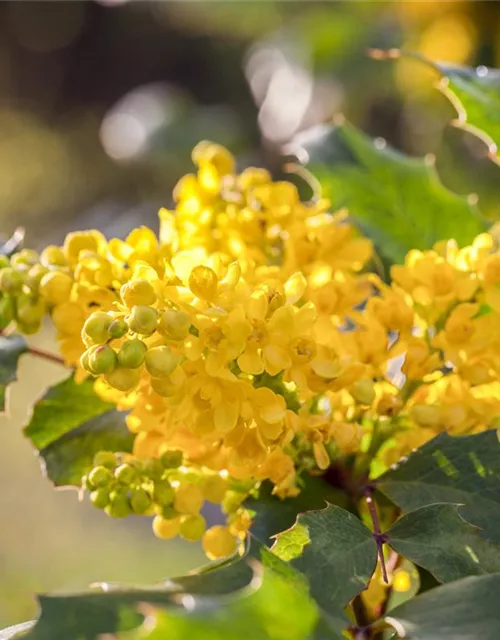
point(248, 342)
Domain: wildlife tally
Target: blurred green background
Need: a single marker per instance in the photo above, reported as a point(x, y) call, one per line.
point(100, 103)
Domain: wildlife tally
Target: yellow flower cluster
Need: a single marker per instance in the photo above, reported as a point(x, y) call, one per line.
point(249, 338)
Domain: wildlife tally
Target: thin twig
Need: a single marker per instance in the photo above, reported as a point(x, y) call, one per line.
point(379, 537)
point(39, 353)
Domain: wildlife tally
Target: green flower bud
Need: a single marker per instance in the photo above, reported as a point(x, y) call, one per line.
point(100, 498)
point(160, 361)
point(102, 360)
point(100, 477)
point(166, 511)
point(4, 261)
point(118, 328)
point(24, 258)
point(131, 354)
point(171, 459)
point(164, 387)
point(29, 329)
point(96, 327)
point(29, 310)
point(85, 359)
point(142, 320)
point(163, 493)
point(126, 474)
point(232, 501)
point(105, 459)
point(123, 379)
point(86, 484)
point(140, 501)
point(192, 528)
point(7, 309)
point(34, 276)
point(174, 324)
point(152, 469)
point(11, 281)
point(119, 506)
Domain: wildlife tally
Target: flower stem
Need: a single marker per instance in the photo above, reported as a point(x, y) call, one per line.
point(39, 353)
point(379, 537)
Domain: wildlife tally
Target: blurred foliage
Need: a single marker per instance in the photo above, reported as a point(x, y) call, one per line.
point(100, 104)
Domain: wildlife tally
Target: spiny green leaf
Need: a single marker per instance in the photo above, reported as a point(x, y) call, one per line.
point(273, 514)
point(466, 609)
point(460, 470)
point(11, 349)
point(398, 201)
point(334, 550)
point(438, 539)
point(247, 597)
point(71, 456)
point(475, 94)
point(69, 425)
point(62, 408)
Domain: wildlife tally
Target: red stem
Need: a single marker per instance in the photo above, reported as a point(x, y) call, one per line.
point(44, 354)
point(377, 532)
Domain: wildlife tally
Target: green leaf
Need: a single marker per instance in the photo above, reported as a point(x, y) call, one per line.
point(71, 456)
point(62, 408)
point(273, 515)
point(475, 94)
point(246, 597)
point(461, 470)
point(11, 349)
point(466, 609)
point(398, 201)
point(334, 550)
point(69, 425)
point(438, 539)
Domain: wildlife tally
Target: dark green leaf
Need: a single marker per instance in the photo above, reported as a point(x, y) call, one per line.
point(69, 425)
point(396, 200)
point(463, 610)
point(460, 470)
point(334, 550)
point(11, 348)
point(273, 515)
point(249, 597)
point(64, 407)
point(437, 538)
point(71, 456)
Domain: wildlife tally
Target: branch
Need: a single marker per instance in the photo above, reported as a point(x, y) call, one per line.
point(39, 353)
point(380, 538)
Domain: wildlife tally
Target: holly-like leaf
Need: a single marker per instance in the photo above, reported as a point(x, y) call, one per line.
point(16, 631)
point(248, 596)
point(334, 550)
point(273, 514)
point(11, 349)
point(438, 539)
point(461, 470)
point(466, 609)
point(396, 200)
point(475, 94)
point(69, 425)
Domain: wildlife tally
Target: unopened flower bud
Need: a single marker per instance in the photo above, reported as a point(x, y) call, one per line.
point(174, 324)
point(218, 542)
point(363, 391)
point(96, 327)
point(160, 361)
point(102, 359)
point(118, 328)
point(203, 282)
point(188, 499)
point(123, 379)
point(165, 528)
point(56, 286)
point(192, 528)
point(100, 477)
point(137, 292)
point(131, 354)
point(11, 281)
point(100, 498)
point(142, 320)
point(171, 459)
